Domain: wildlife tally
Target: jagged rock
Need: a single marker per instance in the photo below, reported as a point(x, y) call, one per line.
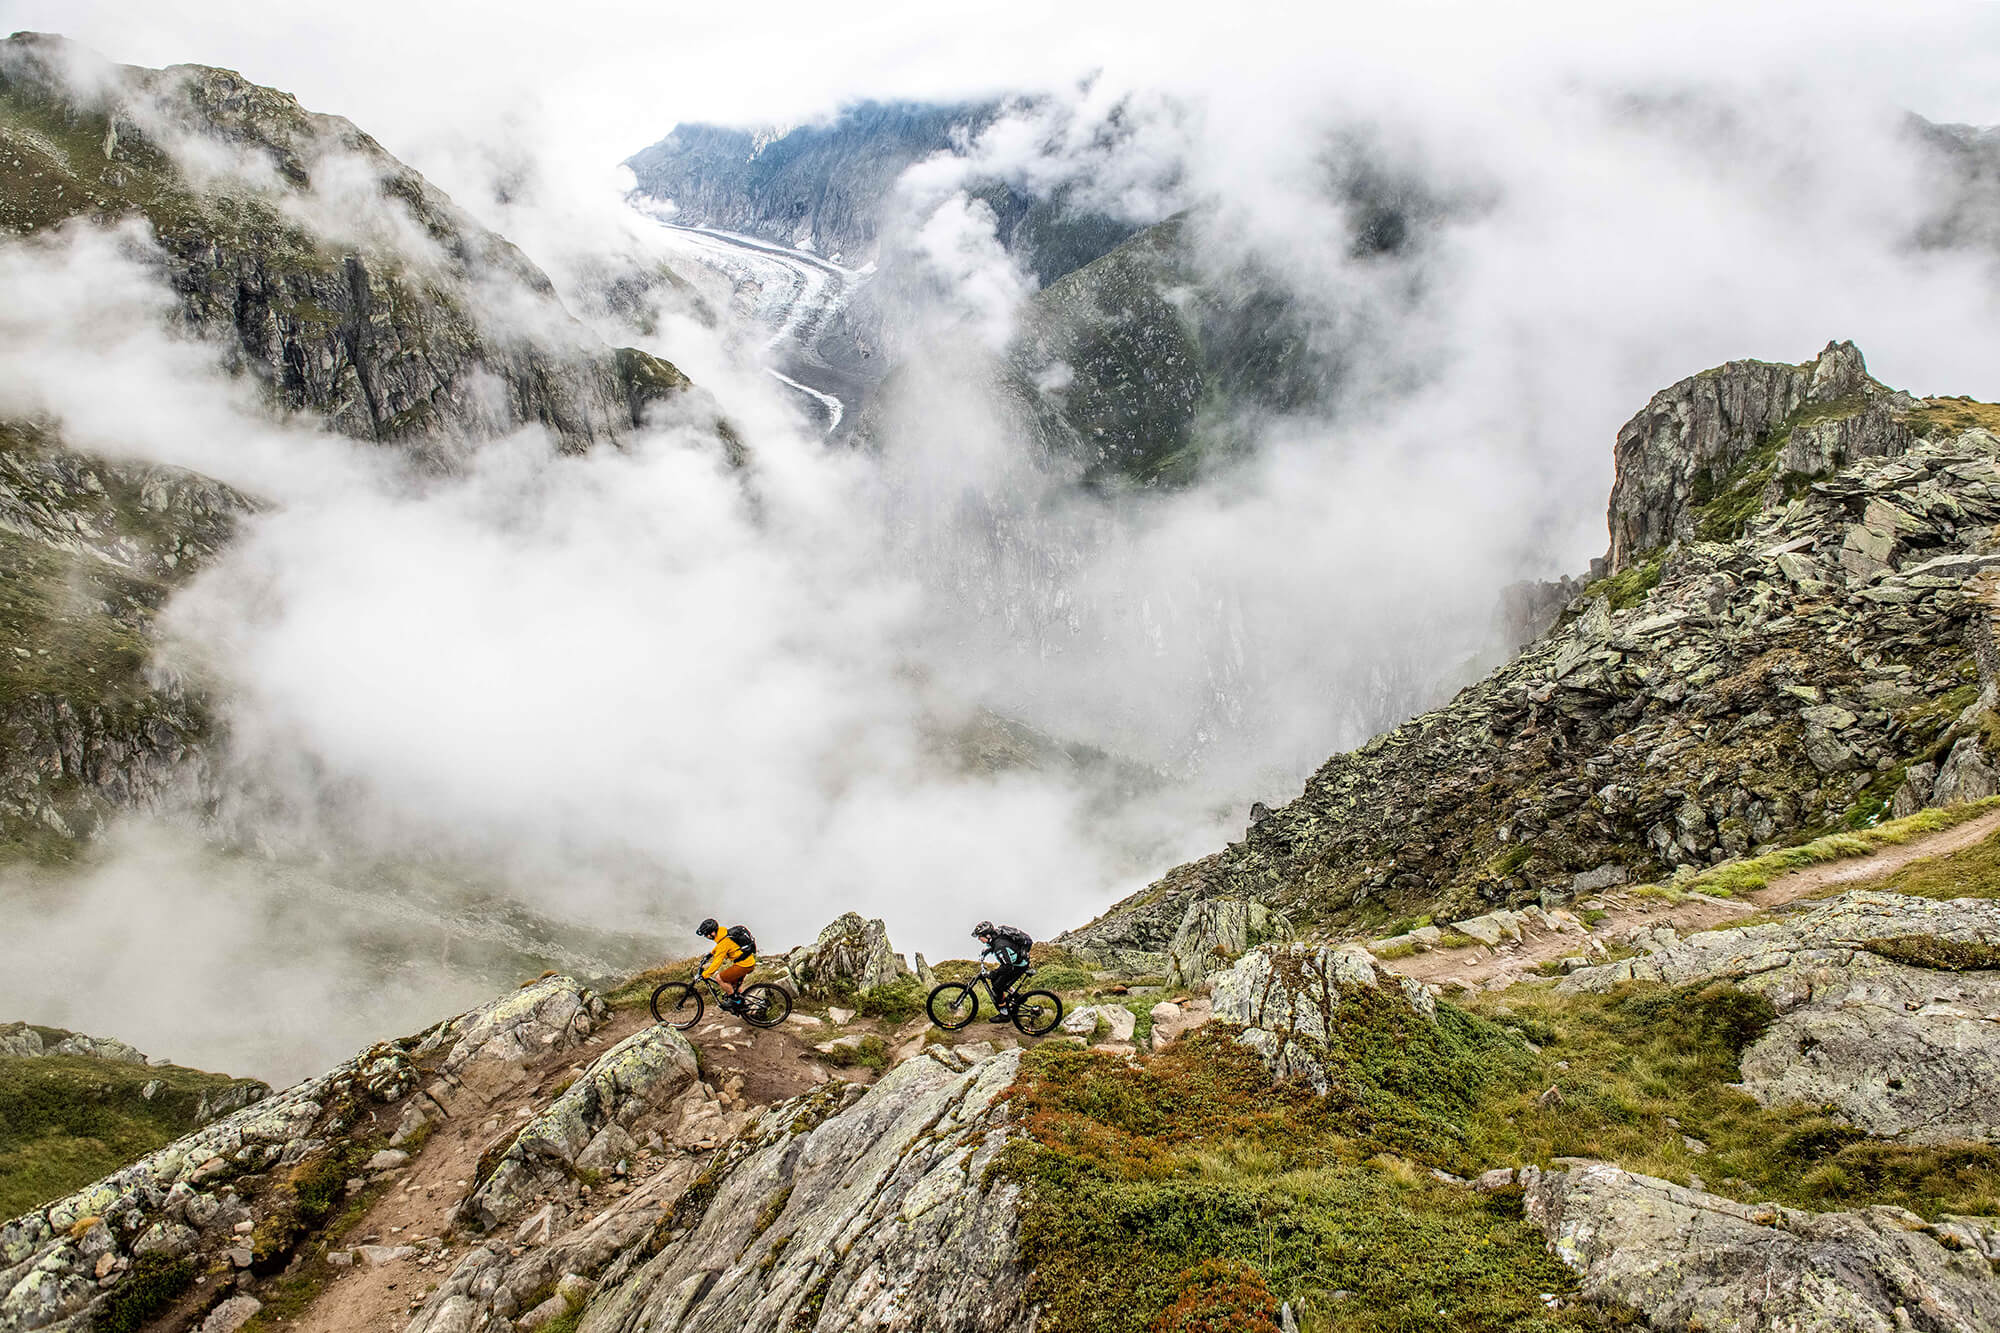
point(388, 1159)
point(1883, 1006)
point(1283, 996)
point(890, 1218)
point(18, 1039)
point(492, 1042)
point(851, 954)
point(1696, 431)
point(1919, 781)
point(98, 1048)
point(1965, 775)
point(1692, 1260)
point(1215, 933)
point(642, 1073)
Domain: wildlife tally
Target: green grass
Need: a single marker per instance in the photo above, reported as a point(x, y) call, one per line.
point(1629, 586)
point(1972, 872)
point(1647, 1054)
point(68, 1120)
point(1734, 877)
point(1136, 1172)
point(871, 1053)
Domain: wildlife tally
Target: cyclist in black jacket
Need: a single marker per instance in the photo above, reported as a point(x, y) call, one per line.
point(1008, 946)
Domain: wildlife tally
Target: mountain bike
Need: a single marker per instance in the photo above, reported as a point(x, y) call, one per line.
point(679, 1004)
point(955, 1004)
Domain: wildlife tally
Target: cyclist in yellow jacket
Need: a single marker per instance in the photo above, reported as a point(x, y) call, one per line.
point(733, 958)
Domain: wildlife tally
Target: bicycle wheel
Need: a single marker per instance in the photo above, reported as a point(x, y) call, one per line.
point(677, 1004)
point(765, 1005)
point(953, 1006)
point(1037, 1012)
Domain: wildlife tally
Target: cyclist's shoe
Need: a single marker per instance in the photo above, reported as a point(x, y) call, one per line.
point(733, 1003)
point(1004, 1016)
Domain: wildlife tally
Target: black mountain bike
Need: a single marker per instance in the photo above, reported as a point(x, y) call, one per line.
point(953, 1004)
point(679, 1004)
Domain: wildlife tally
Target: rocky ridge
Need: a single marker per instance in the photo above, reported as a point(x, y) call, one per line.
point(1827, 661)
point(1888, 1009)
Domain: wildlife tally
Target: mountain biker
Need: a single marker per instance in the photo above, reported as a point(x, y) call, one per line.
point(1008, 947)
point(733, 958)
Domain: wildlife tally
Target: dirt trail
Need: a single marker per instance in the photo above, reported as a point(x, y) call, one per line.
point(744, 1067)
point(1626, 915)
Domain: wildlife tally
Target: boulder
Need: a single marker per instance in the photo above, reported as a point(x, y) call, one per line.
point(1687, 1259)
point(1883, 1009)
point(1215, 932)
point(231, 1315)
point(1284, 998)
point(1120, 1023)
point(852, 955)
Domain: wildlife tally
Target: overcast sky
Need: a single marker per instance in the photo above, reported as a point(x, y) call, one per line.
point(602, 78)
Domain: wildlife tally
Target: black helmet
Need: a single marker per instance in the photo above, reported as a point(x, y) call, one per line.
point(708, 927)
point(983, 929)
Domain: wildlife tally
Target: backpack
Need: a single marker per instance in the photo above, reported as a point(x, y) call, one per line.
point(743, 939)
point(1015, 939)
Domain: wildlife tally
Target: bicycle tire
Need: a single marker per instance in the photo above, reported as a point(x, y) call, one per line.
point(944, 1002)
point(766, 1005)
point(1037, 1013)
point(677, 1004)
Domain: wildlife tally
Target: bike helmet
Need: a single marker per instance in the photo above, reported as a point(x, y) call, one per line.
point(982, 930)
point(707, 928)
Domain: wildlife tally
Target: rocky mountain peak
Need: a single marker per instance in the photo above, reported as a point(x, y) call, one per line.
point(1748, 430)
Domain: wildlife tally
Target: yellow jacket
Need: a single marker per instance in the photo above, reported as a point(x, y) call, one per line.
point(726, 952)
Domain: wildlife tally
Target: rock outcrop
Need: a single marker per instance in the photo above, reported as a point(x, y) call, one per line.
point(1215, 933)
point(1687, 1259)
point(851, 956)
point(1719, 699)
point(238, 1192)
point(1693, 439)
point(1888, 1009)
point(589, 1127)
point(21, 1039)
point(845, 1210)
point(1286, 998)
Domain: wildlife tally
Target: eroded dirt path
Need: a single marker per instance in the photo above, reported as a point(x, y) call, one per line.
point(399, 1250)
point(1627, 915)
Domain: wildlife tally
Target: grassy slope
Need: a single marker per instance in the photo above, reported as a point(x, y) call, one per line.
point(1136, 1174)
point(68, 1120)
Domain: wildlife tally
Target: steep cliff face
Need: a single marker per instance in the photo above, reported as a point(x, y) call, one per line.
point(1748, 433)
point(91, 550)
point(347, 285)
point(1718, 697)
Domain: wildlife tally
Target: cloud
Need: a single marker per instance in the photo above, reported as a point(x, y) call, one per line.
point(632, 691)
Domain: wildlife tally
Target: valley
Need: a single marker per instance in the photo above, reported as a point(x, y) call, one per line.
point(1159, 516)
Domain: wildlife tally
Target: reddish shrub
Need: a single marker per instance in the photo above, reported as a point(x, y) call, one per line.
point(1220, 1297)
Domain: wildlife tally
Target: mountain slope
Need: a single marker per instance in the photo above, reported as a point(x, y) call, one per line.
point(91, 550)
point(1824, 655)
point(347, 285)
